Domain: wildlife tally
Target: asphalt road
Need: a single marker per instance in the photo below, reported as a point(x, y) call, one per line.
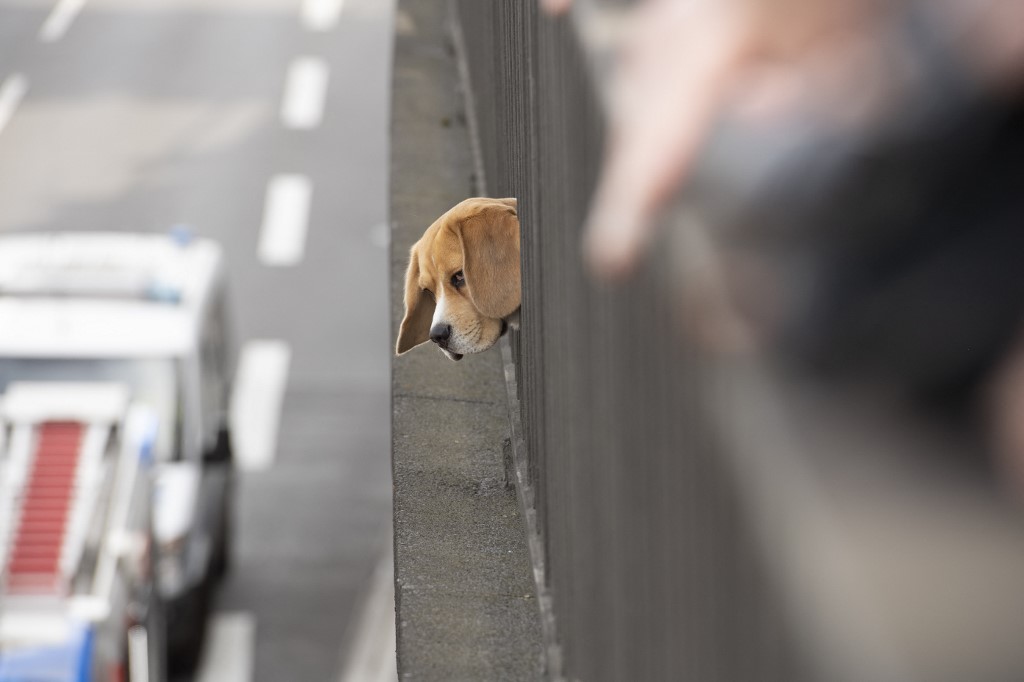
point(262, 124)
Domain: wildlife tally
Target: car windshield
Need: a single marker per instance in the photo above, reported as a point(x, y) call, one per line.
point(152, 381)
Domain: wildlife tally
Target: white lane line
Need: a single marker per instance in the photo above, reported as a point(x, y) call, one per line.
point(372, 657)
point(305, 90)
point(285, 218)
point(138, 653)
point(320, 15)
point(11, 93)
point(228, 649)
point(57, 24)
point(256, 402)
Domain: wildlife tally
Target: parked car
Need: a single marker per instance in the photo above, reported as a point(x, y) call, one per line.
point(147, 313)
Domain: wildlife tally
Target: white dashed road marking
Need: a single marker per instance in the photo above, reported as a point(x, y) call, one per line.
point(285, 218)
point(59, 21)
point(302, 106)
point(320, 15)
point(256, 403)
point(11, 93)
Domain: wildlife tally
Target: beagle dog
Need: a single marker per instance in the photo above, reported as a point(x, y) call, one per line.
point(462, 286)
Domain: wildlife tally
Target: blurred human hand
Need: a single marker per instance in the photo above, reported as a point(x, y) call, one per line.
point(686, 63)
point(555, 7)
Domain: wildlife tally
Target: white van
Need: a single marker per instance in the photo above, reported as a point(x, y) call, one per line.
point(146, 314)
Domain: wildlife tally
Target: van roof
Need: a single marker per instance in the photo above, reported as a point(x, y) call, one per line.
point(103, 294)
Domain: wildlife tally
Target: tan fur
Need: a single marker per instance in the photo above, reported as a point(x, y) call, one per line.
point(480, 237)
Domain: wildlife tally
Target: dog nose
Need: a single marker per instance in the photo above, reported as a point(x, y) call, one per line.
point(440, 333)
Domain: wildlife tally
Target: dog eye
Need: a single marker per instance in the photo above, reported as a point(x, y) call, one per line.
point(458, 279)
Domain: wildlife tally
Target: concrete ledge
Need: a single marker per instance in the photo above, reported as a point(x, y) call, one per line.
point(516, 471)
point(465, 599)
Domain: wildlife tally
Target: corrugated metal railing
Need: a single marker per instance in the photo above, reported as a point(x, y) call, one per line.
point(693, 519)
point(648, 559)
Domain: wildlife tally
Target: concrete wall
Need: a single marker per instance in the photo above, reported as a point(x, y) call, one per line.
point(465, 600)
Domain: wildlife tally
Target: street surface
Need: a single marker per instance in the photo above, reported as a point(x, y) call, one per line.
point(262, 124)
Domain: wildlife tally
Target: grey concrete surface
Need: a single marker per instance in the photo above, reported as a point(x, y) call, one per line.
point(464, 589)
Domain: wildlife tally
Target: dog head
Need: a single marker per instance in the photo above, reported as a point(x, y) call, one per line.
point(463, 279)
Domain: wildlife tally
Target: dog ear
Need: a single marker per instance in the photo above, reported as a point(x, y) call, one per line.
point(419, 309)
point(490, 253)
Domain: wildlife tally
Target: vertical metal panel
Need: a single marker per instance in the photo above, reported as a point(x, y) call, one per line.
point(652, 569)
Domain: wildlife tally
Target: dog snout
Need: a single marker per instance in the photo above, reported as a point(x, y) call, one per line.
point(440, 333)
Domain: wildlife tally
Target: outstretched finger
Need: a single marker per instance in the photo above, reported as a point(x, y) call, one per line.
point(668, 92)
